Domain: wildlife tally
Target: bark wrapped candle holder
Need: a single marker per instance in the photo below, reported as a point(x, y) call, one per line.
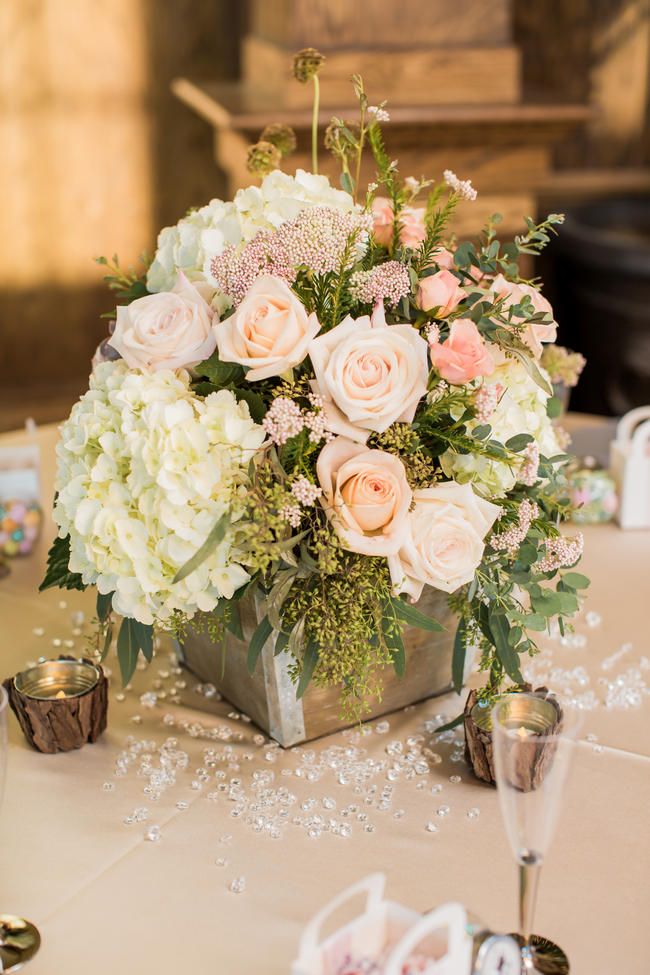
point(60, 704)
point(478, 735)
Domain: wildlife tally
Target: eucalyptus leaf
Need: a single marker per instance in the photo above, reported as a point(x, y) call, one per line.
point(346, 183)
point(553, 407)
point(133, 638)
point(277, 596)
point(413, 617)
point(258, 640)
point(296, 637)
point(309, 662)
point(576, 580)
point(104, 605)
point(449, 725)
point(508, 657)
point(234, 621)
point(458, 657)
point(281, 643)
point(216, 536)
point(519, 441)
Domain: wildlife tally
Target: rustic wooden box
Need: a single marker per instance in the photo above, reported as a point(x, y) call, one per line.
point(269, 696)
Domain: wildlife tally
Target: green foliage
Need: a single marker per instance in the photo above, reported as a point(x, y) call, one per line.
point(58, 574)
point(127, 284)
point(133, 638)
point(216, 536)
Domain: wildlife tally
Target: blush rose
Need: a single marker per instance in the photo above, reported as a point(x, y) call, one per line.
point(513, 293)
point(440, 292)
point(412, 230)
point(269, 332)
point(169, 330)
point(447, 525)
point(463, 356)
point(369, 374)
point(365, 495)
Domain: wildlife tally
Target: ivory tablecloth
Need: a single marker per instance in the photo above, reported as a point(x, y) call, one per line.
point(107, 900)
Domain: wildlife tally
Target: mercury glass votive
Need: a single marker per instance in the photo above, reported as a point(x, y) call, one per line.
point(60, 704)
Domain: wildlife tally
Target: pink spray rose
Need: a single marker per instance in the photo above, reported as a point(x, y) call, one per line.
point(270, 330)
point(513, 293)
point(365, 495)
point(369, 374)
point(444, 546)
point(169, 330)
point(462, 356)
point(441, 291)
point(413, 230)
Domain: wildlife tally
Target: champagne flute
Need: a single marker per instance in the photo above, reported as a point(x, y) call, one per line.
point(19, 939)
point(533, 741)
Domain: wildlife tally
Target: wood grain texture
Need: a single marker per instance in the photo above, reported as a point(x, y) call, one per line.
point(420, 76)
point(428, 672)
point(60, 725)
point(336, 24)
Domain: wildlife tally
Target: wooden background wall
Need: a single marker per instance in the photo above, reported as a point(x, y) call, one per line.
point(96, 155)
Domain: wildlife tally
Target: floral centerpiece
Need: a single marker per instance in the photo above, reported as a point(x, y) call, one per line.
point(319, 395)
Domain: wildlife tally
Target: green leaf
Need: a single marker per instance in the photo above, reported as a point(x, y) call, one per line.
point(258, 639)
point(256, 406)
point(508, 657)
point(413, 617)
point(519, 441)
point(132, 638)
point(464, 254)
point(547, 603)
point(107, 642)
point(214, 538)
point(220, 373)
point(553, 407)
point(482, 431)
point(450, 725)
point(347, 184)
point(458, 658)
point(393, 638)
point(104, 605)
point(534, 621)
point(576, 580)
point(58, 572)
point(277, 596)
point(234, 621)
point(309, 662)
point(568, 603)
point(281, 643)
point(296, 637)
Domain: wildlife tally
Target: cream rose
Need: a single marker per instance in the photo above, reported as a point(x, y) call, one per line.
point(370, 374)
point(169, 330)
point(444, 546)
point(513, 294)
point(365, 495)
point(269, 332)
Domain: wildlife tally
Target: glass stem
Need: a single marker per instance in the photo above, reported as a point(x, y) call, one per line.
point(528, 883)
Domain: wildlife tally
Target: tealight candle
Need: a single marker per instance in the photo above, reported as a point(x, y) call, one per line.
point(60, 704)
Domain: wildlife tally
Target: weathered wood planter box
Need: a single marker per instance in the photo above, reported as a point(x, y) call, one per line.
point(269, 696)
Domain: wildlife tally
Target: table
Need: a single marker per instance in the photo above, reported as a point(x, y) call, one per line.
point(106, 899)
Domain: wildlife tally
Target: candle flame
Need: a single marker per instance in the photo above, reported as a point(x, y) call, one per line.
point(60, 694)
point(522, 732)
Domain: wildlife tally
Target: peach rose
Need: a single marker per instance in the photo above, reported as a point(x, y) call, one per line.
point(440, 292)
point(447, 525)
point(269, 332)
point(168, 330)
point(370, 374)
point(413, 230)
point(462, 356)
point(513, 293)
point(365, 495)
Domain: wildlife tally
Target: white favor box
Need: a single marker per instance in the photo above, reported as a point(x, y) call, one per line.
point(387, 934)
point(630, 467)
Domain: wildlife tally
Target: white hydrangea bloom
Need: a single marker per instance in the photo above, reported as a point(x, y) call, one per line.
point(521, 409)
point(203, 234)
point(145, 470)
